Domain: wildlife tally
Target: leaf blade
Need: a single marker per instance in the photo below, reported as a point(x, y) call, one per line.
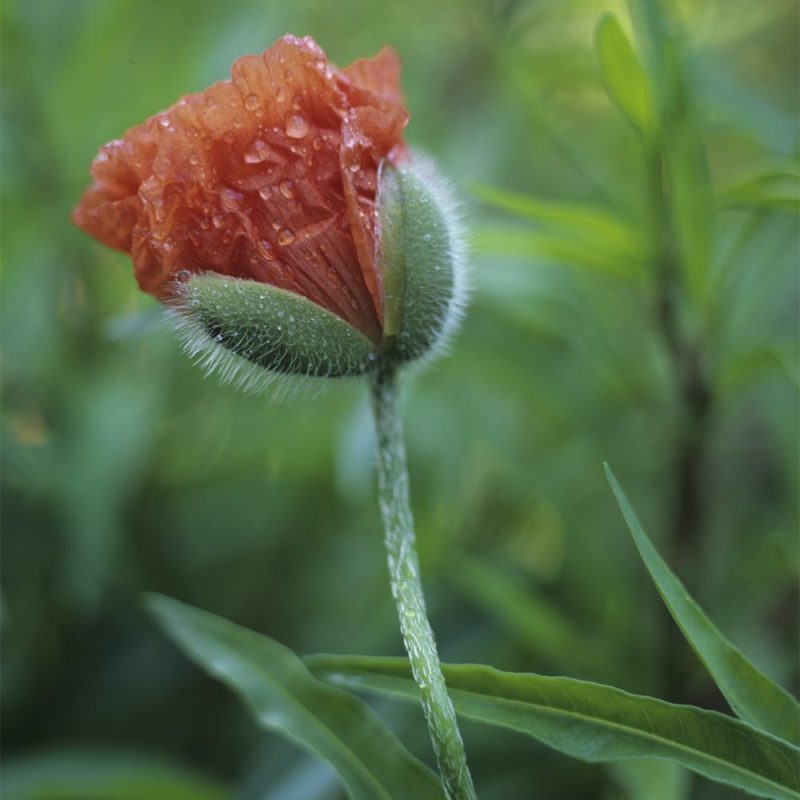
point(594, 722)
point(286, 698)
point(753, 696)
point(623, 74)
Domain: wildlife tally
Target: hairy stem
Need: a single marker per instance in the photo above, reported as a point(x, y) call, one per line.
point(406, 588)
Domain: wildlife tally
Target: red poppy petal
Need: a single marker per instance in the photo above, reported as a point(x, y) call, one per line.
point(270, 176)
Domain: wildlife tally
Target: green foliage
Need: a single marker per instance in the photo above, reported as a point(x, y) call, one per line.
point(103, 776)
point(283, 696)
point(594, 722)
point(750, 693)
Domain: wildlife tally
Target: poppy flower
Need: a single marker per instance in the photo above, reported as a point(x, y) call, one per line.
point(271, 178)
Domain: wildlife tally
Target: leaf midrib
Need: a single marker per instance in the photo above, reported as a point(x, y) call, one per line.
point(601, 722)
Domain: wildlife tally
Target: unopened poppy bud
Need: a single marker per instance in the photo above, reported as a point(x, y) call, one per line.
point(282, 220)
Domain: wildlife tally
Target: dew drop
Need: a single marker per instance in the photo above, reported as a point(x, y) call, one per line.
point(251, 102)
point(280, 95)
point(354, 167)
point(194, 159)
point(317, 143)
point(218, 220)
point(257, 152)
point(287, 189)
point(265, 250)
point(265, 192)
point(297, 102)
point(163, 122)
point(296, 127)
point(285, 237)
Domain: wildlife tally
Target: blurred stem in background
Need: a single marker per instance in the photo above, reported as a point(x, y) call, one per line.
point(404, 575)
point(676, 163)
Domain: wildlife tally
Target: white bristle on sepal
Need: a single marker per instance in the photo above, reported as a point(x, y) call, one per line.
point(422, 258)
point(258, 337)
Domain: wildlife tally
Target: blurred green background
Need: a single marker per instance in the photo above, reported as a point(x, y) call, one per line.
point(124, 470)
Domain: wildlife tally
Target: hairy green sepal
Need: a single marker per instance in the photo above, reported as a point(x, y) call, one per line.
point(418, 261)
point(271, 328)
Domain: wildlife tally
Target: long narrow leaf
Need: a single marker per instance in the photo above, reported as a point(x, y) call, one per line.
point(752, 695)
point(594, 722)
point(286, 698)
point(623, 74)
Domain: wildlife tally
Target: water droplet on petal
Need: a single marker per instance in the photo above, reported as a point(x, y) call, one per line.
point(265, 192)
point(265, 251)
point(257, 152)
point(251, 102)
point(296, 127)
point(280, 95)
point(285, 237)
point(287, 189)
point(194, 159)
point(318, 143)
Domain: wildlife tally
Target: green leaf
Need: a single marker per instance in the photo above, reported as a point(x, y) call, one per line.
point(593, 722)
point(286, 698)
point(771, 186)
point(101, 775)
point(753, 696)
point(623, 74)
point(579, 235)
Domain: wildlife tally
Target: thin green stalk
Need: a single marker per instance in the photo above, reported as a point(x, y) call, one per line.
point(406, 587)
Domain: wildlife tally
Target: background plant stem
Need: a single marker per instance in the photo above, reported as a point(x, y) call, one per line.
point(406, 588)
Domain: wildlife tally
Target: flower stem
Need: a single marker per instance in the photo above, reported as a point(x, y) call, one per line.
point(407, 589)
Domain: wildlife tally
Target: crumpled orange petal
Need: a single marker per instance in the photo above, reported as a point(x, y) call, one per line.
point(270, 176)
